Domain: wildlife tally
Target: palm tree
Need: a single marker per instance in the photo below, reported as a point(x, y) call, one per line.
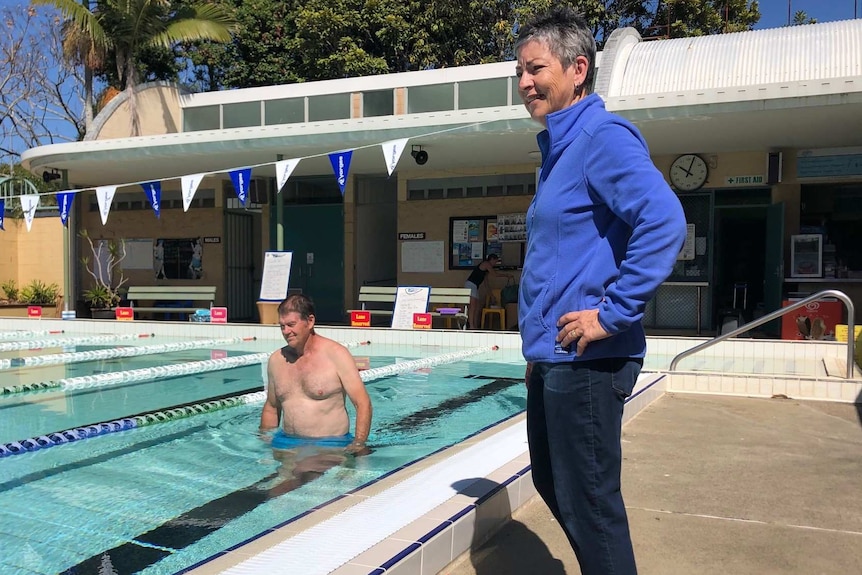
point(124, 28)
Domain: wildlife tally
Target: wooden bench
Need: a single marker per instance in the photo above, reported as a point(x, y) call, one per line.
point(380, 300)
point(174, 299)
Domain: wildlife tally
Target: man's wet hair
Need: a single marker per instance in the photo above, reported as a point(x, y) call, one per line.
point(299, 303)
point(567, 35)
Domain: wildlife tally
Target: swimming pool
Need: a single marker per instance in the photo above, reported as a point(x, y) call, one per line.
point(160, 498)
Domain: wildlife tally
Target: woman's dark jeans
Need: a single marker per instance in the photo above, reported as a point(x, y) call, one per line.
point(574, 420)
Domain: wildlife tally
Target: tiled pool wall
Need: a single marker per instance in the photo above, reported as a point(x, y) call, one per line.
point(749, 367)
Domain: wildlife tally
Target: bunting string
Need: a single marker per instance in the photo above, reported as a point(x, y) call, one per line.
point(392, 150)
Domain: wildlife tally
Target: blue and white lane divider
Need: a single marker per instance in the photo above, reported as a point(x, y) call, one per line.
point(131, 351)
point(74, 434)
point(17, 335)
point(143, 374)
point(81, 340)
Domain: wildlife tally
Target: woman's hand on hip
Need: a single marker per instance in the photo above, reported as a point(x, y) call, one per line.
point(580, 328)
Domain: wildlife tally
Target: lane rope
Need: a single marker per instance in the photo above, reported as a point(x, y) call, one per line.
point(81, 340)
point(131, 351)
point(16, 335)
point(170, 414)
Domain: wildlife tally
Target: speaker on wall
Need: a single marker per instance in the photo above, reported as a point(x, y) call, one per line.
point(774, 166)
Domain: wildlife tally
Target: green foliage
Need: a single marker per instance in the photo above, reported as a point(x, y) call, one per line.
point(101, 297)
point(10, 288)
point(280, 42)
point(39, 293)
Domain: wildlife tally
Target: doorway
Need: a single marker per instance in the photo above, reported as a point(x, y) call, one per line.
point(740, 261)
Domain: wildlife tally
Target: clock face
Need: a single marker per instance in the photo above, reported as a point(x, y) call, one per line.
point(688, 172)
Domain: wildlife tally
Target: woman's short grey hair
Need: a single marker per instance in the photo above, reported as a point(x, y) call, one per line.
point(567, 36)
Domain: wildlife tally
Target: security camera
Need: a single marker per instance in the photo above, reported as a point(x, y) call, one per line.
point(420, 155)
point(51, 176)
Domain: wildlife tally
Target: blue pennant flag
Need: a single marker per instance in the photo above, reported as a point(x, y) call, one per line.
point(64, 202)
point(2, 213)
point(341, 166)
point(241, 179)
point(154, 195)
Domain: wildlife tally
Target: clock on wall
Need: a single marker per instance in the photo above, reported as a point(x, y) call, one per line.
point(688, 172)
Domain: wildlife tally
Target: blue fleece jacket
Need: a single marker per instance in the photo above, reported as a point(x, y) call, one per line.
point(603, 232)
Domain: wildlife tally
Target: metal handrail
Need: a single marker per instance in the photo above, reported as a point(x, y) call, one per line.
point(851, 328)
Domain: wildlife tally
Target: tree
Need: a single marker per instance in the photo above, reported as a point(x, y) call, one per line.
point(800, 18)
point(40, 99)
point(683, 18)
point(124, 30)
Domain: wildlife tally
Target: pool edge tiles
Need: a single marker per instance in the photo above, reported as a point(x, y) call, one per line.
point(435, 539)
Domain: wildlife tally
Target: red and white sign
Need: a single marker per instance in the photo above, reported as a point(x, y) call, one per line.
point(218, 315)
point(360, 319)
point(362, 362)
point(124, 313)
point(421, 321)
point(34, 311)
point(817, 320)
point(218, 353)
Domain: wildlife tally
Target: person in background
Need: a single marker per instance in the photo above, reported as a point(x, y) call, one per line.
point(603, 232)
point(307, 382)
point(474, 282)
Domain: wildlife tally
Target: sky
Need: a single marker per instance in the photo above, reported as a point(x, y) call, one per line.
point(773, 13)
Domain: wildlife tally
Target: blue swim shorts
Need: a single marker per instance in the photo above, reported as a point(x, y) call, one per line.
point(281, 440)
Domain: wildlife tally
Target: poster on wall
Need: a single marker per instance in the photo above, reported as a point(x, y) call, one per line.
point(178, 258)
point(276, 276)
point(422, 257)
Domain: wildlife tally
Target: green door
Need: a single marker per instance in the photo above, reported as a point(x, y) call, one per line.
point(315, 235)
point(773, 274)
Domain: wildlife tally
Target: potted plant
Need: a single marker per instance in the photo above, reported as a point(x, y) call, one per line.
point(105, 267)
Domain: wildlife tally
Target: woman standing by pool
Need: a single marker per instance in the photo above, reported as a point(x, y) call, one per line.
point(473, 283)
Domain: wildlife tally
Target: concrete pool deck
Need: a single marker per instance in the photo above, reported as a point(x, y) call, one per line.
point(717, 485)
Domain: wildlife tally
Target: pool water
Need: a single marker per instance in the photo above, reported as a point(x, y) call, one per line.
point(161, 498)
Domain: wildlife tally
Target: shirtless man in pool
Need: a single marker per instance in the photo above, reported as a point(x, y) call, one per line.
point(308, 380)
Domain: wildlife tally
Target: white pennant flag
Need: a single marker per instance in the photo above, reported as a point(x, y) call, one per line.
point(392, 152)
point(28, 206)
point(283, 169)
point(105, 195)
point(190, 186)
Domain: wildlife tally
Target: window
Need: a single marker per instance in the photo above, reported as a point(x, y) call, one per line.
point(378, 103)
point(286, 111)
point(203, 118)
point(482, 93)
point(435, 98)
point(241, 115)
point(329, 107)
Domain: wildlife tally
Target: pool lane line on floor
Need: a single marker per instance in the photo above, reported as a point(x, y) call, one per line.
point(190, 526)
point(94, 430)
point(146, 373)
point(14, 335)
point(78, 340)
point(129, 351)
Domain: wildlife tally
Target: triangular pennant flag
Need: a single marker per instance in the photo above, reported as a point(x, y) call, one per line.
point(190, 185)
point(105, 195)
point(64, 202)
point(2, 213)
point(153, 190)
point(28, 206)
point(341, 166)
point(283, 169)
point(392, 152)
point(241, 179)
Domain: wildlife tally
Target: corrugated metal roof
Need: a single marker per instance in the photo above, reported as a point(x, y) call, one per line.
point(753, 58)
